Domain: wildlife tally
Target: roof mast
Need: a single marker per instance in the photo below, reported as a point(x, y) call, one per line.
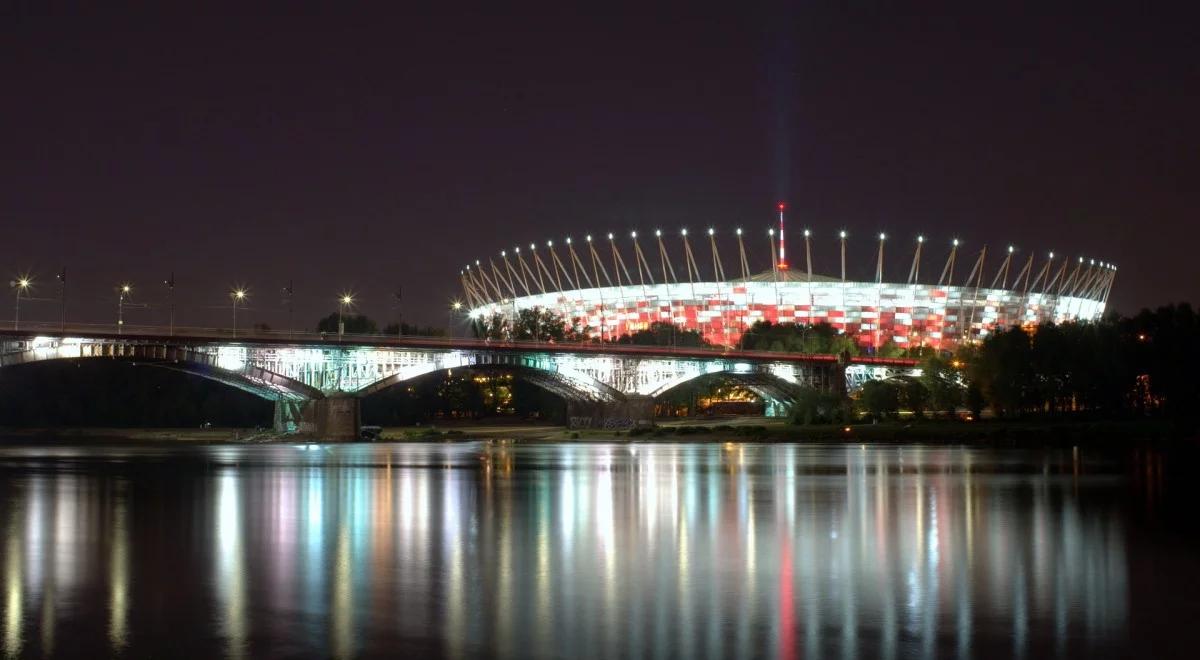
point(783, 265)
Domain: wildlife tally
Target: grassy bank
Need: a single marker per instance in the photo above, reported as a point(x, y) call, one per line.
point(1019, 433)
point(998, 433)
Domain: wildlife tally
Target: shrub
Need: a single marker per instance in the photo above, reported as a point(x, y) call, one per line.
point(814, 406)
point(880, 398)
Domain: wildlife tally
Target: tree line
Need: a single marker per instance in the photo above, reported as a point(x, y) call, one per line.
point(537, 324)
point(360, 324)
point(1117, 367)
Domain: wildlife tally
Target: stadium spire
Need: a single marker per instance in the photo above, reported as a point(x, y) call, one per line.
point(783, 265)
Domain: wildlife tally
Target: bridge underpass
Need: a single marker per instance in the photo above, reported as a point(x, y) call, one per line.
point(317, 384)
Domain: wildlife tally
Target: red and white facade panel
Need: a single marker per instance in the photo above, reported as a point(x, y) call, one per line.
point(906, 314)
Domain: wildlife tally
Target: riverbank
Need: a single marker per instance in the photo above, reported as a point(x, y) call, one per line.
point(83, 436)
point(999, 433)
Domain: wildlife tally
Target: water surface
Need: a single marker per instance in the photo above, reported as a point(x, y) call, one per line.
point(579, 550)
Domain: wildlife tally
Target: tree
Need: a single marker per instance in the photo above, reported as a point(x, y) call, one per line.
point(492, 327)
point(660, 333)
point(881, 398)
point(914, 396)
point(413, 330)
point(974, 400)
point(1004, 371)
point(539, 324)
point(532, 324)
point(355, 324)
point(889, 349)
point(942, 380)
point(819, 338)
point(815, 406)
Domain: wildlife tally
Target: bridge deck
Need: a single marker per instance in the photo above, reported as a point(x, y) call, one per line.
point(189, 335)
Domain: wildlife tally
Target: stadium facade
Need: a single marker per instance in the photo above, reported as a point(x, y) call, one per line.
point(607, 290)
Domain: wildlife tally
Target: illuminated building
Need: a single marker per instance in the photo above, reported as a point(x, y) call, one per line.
point(607, 291)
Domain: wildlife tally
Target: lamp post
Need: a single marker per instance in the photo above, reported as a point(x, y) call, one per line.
point(454, 309)
point(21, 284)
point(842, 238)
point(345, 301)
point(236, 296)
point(123, 291)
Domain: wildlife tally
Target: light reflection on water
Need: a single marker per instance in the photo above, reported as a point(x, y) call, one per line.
point(461, 550)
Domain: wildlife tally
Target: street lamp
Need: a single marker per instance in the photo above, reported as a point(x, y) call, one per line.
point(454, 309)
point(122, 291)
point(237, 295)
point(20, 284)
point(344, 304)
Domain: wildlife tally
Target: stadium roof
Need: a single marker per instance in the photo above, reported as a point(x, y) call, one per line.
point(787, 276)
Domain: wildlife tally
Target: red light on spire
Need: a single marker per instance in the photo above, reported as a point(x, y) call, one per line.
point(782, 264)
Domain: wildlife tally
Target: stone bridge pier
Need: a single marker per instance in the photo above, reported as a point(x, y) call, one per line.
point(630, 412)
point(335, 418)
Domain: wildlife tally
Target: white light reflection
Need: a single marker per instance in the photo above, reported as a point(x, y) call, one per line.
point(231, 577)
point(118, 574)
point(14, 579)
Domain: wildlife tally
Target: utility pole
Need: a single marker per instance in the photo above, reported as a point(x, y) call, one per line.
point(399, 296)
point(62, 298)
point(287, 292)
point(170, 284)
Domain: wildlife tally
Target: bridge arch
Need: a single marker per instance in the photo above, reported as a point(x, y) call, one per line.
point(562, 381)
point(225, 368)
point(768, 386)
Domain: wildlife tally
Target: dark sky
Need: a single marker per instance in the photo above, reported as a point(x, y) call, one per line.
point(377, 149)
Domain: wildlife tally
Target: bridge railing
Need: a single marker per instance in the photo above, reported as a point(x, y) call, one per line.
point(287, 337)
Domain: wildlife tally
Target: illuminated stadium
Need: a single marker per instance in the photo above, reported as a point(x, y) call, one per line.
point(607, 286)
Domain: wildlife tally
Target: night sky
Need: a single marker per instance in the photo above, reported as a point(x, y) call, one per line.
point(378, 150)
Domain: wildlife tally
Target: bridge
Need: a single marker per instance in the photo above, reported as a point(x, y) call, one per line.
point(317, 380)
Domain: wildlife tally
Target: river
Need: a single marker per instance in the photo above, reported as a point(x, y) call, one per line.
point(487, 549)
